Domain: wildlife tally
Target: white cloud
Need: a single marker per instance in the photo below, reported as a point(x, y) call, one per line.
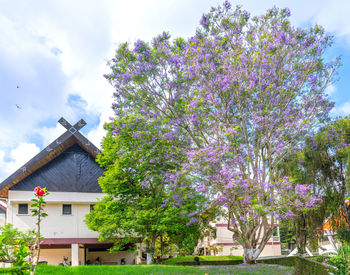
point(343, 109)
point(331, 89)
point(54, 49)
point(18, 157)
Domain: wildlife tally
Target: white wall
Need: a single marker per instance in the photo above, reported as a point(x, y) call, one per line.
point(224, 238)
point(56, 225)
point(62, 197)
point(55, 256)
point(111, 258)
point(2, 219)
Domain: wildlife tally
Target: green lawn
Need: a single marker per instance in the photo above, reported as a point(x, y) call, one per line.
point(164, 270)
point(201, 258)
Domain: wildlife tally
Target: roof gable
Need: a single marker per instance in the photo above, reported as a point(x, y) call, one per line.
point(74, 170)
point(56, 148)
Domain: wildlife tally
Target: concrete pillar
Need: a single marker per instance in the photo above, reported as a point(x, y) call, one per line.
point(75, 254)
point(138, 254)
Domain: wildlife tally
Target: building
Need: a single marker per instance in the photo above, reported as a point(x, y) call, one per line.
point(328, 243)
point(68, 170)
point(220, 242)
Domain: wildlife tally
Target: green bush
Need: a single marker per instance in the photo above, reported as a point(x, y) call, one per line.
point(320, 258)
point(343, 234)
point(9, 270)
point(341, 263)
point(303, 266)
point(285, 261)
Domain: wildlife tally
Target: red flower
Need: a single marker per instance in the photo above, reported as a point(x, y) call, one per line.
point(39, 192)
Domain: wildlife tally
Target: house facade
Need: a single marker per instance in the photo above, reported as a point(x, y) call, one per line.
point(220, 242)
point(68, 170)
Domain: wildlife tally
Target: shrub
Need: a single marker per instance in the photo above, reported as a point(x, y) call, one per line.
point(14, 246)
point(9, 270)
point(343, 234)
point(341, 263)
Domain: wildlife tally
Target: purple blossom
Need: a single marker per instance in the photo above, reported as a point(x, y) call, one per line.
point(193, 213)
point(192, 221)
point(227, 5)
point(202, 188)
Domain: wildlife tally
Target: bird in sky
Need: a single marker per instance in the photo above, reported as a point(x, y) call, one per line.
point(18, 107)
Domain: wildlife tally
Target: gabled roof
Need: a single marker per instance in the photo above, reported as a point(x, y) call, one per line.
point(336, 220)
point(70, 137)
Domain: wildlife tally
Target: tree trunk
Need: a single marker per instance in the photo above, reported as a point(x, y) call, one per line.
point(254, 236)
point(149, 258)
point(301, 234)
point(150, 250)
point(161, 247)
point(250, 255)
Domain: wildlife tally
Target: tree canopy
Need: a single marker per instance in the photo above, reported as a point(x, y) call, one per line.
point(234, 100)
point(323, 164)
point(140, 205)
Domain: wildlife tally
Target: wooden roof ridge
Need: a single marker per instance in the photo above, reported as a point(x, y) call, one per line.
point(53, 150)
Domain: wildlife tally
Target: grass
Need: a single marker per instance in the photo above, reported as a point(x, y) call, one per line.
point(163, 270)
point(201, 258)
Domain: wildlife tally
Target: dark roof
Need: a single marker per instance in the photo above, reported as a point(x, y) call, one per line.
point(74, 170)
point(56, 148)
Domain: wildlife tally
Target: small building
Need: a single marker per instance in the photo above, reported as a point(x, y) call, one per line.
point(328, 243)
point(68, 170)
point(220, 242)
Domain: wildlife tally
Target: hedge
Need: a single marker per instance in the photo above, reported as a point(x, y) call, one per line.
point(303, 266)
point(9, 270)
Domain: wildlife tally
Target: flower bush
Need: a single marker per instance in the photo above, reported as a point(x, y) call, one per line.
point(38, 210)
point(341, 263)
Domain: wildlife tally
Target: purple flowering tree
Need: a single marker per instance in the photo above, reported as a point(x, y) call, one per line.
point(240, 95)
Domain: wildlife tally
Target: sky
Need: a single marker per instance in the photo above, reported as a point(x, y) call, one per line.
point(53, 55)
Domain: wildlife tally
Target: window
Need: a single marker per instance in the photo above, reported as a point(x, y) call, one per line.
point(91, 207)
point(67, 209)
point(23, 208)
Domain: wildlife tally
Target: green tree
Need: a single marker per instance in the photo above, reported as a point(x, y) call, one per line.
point(246, 91)
point(140, 205)
point(324, 163)
point(15, 247)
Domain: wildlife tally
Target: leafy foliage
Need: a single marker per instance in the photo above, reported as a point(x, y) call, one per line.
point(140, 205)
point(14, 247)
point(343, 234)
point(235, 99)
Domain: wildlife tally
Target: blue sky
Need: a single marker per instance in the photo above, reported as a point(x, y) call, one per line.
point(53, 56)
